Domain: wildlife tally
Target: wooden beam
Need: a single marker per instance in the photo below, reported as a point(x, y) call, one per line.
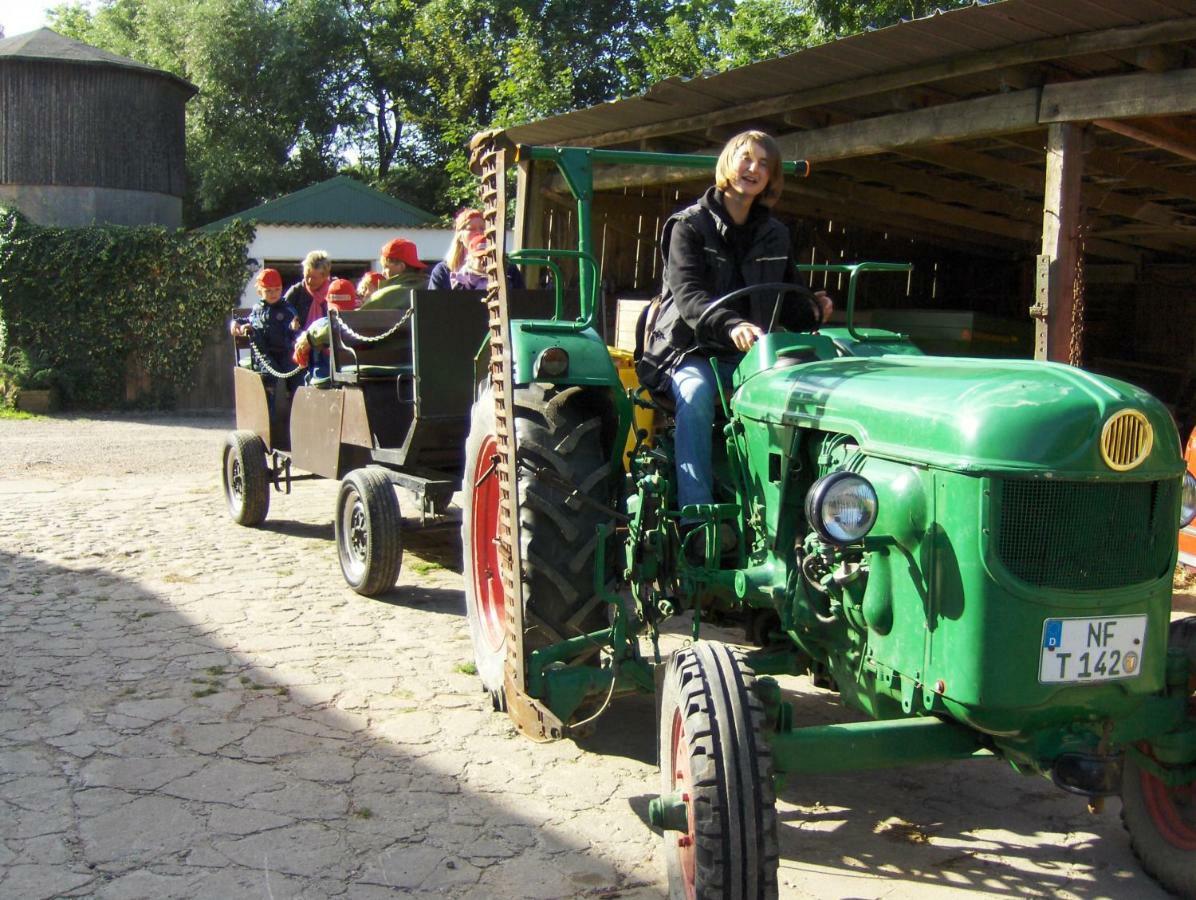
point(1088, 43)
point(1142, 173)
point(1148, 136)
point(1103, 200)
point(900, 206)
point(982, 117)
point(809, 203)
point(1120, 97)
point(1058, 262)
point(902, 178)
point(988, 167)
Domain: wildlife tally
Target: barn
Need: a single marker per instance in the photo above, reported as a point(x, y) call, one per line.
point(1034, 160)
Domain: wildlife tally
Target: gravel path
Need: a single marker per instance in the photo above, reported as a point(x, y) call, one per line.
point(194, 709)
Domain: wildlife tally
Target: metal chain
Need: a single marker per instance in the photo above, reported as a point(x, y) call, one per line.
point(262, 360)
point(362, 339)
point(1075, 351)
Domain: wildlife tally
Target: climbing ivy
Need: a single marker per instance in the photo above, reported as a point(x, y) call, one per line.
point(85, 302)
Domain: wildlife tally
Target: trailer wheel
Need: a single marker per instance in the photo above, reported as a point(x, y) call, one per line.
point(561, 444)
point(246, 480)
point(1161, 820)
point(369, 537)
point(714, 756)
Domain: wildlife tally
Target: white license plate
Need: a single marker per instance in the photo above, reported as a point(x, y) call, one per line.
point(1092, 649)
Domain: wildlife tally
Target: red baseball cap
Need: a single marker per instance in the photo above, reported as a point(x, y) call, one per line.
point(404, 251)
point(342, 294)
point(269, 278)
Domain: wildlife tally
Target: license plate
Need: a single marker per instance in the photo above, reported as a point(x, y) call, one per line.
point(1098, 649)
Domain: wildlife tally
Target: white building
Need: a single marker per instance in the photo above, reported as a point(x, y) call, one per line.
point(341, 216)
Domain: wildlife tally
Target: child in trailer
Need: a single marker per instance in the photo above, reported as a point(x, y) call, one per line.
point(271, 325)
point(466, 224)
point(404, 272)
point(471, 276)
point(311, 348)
point(369, 283)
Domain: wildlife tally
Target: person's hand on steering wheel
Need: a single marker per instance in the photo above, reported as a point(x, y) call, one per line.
point(826, 306)
point(744, 335)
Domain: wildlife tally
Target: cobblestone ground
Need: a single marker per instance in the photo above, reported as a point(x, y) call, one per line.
point(193, 709)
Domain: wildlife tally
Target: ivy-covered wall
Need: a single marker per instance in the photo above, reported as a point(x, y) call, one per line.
point(82, 301)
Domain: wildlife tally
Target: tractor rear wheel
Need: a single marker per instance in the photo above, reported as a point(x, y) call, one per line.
point(246, 479)
point(565, 481)
point(1161, 819)
point(369, 537)
point(715, 760)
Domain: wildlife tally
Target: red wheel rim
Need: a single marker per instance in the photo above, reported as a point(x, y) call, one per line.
point(681, 779)
point(1172, 809)
point(487, 582)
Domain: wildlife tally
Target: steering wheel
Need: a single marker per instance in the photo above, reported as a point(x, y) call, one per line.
point(779, 286)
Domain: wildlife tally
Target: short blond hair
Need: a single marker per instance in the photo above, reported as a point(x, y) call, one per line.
point(725, 169)
point(317, 259)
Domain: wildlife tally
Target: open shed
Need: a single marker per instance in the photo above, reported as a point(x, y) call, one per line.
point(1034, 159)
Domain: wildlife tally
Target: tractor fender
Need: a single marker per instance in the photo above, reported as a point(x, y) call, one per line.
point(589, 361)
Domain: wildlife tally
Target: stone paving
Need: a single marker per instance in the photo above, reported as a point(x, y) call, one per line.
point(195, 709)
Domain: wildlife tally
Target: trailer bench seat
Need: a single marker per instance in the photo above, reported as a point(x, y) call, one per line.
point(354, 361)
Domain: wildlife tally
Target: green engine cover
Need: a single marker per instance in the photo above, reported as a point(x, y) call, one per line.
point(966, 415)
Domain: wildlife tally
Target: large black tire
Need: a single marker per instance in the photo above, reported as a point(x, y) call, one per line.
point(563, 440)
point(246, 479)
point(1161, 820)
point(713, 753)
point(369, 532)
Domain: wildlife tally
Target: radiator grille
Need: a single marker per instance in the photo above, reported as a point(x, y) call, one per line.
point(1085, 536)
point(1126, 439)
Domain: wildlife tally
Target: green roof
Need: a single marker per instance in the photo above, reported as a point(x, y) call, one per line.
point(338, 201)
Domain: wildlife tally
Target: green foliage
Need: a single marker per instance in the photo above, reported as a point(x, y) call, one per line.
point(77, 303)
point(291, 92)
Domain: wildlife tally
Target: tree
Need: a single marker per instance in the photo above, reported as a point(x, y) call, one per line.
point(270, 93)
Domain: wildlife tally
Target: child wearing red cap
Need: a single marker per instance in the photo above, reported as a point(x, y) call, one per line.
point(271, 325)
point(311, 348)
point(369, 283)
point(466, 224)
point(404, 272)
point(471, 276)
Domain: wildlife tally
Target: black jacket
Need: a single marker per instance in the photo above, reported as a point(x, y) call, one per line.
point(298, 296)
point(705, 257)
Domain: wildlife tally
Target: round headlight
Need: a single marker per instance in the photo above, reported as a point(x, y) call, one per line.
point(1187, 501)
point(841, 507)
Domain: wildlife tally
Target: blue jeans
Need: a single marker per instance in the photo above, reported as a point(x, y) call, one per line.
point(694, 395)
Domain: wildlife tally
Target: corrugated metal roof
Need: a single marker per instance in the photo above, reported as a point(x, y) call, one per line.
point(339, 201)
point(50, 46)
point(909, 45)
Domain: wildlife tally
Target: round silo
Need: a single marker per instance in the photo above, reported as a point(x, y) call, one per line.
point(87, 136)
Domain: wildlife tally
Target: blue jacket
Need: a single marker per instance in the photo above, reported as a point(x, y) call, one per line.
point(270, 327)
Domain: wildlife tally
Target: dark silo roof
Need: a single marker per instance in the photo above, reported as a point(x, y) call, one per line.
point(50, 46)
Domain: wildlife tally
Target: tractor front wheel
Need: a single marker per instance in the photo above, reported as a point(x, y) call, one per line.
point(1161, 819)
point(715, 761)
point(246, 478)
point(369, 538)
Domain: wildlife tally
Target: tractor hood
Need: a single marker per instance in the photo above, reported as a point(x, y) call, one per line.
point(971, 415)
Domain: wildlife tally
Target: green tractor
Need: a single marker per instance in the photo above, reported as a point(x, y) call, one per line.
point(976, 554)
